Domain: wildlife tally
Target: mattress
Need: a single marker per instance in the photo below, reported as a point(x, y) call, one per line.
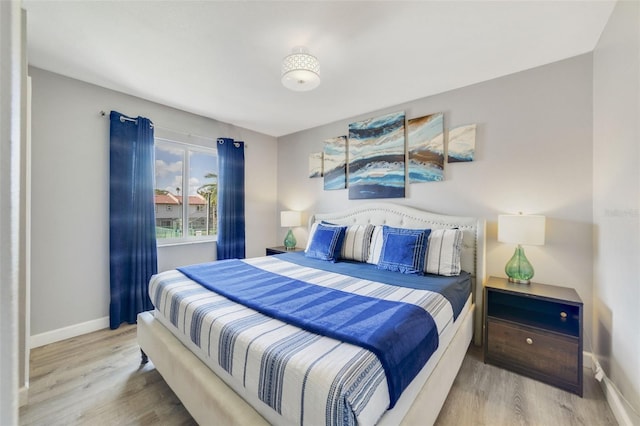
point(292, 376)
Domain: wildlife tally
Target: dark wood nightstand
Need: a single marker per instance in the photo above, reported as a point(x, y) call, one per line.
point(534, 330)
point(281, 249)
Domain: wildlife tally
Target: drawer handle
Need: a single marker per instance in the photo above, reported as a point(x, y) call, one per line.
point(529, 341)
point(563, 315)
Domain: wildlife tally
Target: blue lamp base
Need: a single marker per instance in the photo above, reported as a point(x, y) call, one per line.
point(518, 269)
point(290, 240)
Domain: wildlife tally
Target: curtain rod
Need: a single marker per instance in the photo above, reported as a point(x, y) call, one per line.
point(104, 114)
point(123, 119)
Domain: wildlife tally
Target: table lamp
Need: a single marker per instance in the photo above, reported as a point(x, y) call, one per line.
point(290, 219)
point(521, 230)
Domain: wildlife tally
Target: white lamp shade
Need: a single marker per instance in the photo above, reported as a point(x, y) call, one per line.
point(290, 219)
point(521, 229)
point(300, 70)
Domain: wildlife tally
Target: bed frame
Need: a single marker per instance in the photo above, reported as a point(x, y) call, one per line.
point(210, 400)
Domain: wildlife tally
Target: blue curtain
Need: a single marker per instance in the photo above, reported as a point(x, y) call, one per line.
point(132, 235)
point(231, 234)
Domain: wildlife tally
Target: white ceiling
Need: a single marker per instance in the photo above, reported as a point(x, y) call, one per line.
point(222, 59)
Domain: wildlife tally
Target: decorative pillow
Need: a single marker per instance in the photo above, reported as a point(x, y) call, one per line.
point(443, 254)
point(314, 226)
point(326, 242)
point(356, 242)
point(404, 250)
point(375, 248)
point(312, 231)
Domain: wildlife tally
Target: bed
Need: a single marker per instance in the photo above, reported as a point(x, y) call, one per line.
point(219, 385)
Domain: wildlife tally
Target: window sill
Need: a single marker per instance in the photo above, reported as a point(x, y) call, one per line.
point(173, 243)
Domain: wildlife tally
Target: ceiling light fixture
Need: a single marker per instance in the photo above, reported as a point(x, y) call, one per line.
point(300, 70)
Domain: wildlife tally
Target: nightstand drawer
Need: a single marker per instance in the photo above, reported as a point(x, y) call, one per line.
point(533, 352)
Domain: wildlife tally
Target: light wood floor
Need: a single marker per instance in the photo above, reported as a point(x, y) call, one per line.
point(96, 379)
point(486, 395)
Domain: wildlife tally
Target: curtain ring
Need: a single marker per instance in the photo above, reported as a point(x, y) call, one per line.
point(221, 141)
point(236, 144)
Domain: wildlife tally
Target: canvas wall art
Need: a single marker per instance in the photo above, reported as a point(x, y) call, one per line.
point(315, 165)
point(426, 148)
point(377, 157)
point(335, 163)
point(462, 144)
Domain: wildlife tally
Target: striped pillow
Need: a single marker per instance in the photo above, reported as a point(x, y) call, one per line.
point(356, 243)
point(443, 253)
point(375, 249)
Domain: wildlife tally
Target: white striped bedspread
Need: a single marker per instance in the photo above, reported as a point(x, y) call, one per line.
point(306, 378)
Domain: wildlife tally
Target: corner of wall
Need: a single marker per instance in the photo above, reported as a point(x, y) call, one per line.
point(23, 396)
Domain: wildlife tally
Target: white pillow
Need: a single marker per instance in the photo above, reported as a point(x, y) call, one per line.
point(443, 252)
point(312, 231)
point(375, 249)
point(356, 243)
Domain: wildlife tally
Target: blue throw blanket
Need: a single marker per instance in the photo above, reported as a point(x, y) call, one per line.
point(403, 336)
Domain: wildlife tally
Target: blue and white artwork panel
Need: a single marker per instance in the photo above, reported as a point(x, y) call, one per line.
point(462, 144)
point(426, 148)
point(335, 163)
point(377, 157)
point(315, 165)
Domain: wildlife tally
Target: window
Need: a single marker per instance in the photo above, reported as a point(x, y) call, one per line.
point(194, 203)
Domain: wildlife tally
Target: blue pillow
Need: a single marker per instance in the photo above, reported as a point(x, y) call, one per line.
point(403, 250)
point(326, 242)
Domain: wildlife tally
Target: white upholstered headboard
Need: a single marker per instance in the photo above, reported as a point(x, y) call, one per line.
point(402, 216)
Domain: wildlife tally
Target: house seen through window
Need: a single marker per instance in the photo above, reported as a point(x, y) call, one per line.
point(186, 190)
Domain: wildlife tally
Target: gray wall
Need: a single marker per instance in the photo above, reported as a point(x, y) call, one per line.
point(70, 195)
point(533, 154)
point(616, 206)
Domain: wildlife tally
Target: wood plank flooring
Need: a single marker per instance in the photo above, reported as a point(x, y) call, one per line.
point(96, 379)
point(483, 394)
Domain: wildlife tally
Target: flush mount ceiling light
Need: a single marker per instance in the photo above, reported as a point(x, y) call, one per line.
point(300, 70)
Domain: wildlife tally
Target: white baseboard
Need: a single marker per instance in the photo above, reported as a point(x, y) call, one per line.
point(68, 332)
point(23, 396)
point(624, 414)
point(587, 360)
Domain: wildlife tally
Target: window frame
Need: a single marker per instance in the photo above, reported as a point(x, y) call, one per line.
point(187, 148)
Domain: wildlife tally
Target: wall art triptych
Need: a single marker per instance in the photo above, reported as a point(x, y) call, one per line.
point(376, 152)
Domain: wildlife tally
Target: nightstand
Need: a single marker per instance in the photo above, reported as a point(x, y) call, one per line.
point(534, 330)
point(281, 249)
